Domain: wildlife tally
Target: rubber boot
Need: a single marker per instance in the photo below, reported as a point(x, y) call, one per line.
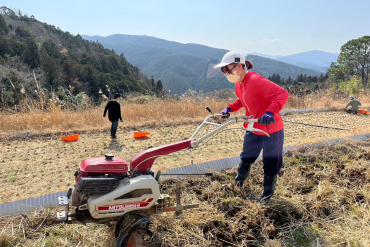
point(269, 185)
point(114, 131)
point(112, 134)
point(243, 173)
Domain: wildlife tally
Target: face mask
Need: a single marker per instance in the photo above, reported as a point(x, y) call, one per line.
point(233, 78)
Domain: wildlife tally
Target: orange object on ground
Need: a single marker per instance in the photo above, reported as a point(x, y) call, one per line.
point(69, 138)
point(140, 134)
point(363, 112)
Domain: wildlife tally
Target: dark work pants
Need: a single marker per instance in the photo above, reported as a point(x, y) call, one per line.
point(113, 128)
point(350, 111)
point(272, 151)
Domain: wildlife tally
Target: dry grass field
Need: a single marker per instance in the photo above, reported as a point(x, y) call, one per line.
point(40, 165)
point(326, 204)
point(322, 199)
point(145, 112)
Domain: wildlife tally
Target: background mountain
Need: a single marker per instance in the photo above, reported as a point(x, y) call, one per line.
point(187, 66)
point(194, 49)
point(267, 67)
point(62, 62)
point(262, 55)
point(316, 60)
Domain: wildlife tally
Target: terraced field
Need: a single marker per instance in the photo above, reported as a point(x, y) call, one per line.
point(36, 166)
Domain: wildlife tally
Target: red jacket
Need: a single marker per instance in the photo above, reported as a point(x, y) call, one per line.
point(258, 95)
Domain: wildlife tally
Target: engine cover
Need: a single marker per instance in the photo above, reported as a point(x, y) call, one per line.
point(101, 166)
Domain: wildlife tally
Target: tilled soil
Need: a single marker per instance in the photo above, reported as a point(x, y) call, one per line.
point(322, 199)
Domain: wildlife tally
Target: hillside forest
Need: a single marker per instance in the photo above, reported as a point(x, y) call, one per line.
point(40, 61)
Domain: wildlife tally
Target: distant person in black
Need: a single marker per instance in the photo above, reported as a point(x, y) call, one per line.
point(114, 114)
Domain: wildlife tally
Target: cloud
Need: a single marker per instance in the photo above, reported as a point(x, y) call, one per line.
point(270, 41)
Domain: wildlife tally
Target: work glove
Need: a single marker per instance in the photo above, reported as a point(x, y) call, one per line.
point(225, 112)
point(267, 118)
point(121, 120)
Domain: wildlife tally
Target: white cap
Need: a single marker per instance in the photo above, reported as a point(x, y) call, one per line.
point(229, 58)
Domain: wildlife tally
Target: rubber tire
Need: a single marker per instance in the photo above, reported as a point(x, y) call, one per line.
point(118, 229)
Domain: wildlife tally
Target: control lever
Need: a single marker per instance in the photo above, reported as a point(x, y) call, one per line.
point(207, 108)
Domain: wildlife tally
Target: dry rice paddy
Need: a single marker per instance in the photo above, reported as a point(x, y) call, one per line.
point(35, 166)
point(322, 199)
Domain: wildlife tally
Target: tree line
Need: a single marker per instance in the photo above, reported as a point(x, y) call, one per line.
point(298, 80)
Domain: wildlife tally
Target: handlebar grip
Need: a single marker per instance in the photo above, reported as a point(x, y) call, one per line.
point(225, 115)
point(273, 120)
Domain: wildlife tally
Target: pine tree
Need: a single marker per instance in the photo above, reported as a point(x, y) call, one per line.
point(289, 81)
point(278, 79)
point(152, 82)
point(3, 27)
point(305, 78)
point(300, 78)
point(16, 47)
point(354, 59)
point(273, 77)
point(4, 46)
point(52, 71)
point(159, 88)
point(31, 55)
point(51, 49)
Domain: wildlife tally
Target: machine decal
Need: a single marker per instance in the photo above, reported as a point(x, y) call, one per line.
point(141, 204)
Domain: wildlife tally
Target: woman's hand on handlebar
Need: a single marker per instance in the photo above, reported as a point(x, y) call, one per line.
point(267, 118)
point(225, 113)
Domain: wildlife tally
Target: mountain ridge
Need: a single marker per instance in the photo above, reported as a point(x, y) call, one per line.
point(314, 59)
point(187, 66)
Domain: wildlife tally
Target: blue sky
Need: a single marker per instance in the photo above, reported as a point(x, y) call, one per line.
point(274, 27)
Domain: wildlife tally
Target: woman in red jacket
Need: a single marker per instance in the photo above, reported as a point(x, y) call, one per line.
point(263, 99)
